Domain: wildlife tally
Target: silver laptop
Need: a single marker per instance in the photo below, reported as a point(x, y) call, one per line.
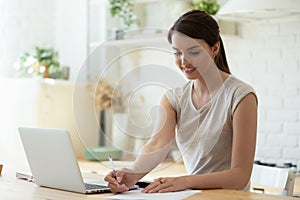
point(52, 161)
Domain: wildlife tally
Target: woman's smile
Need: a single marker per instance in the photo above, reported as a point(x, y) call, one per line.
point(188, 70)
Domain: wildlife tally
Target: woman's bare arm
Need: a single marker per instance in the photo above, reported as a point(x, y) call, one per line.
point(157, 148)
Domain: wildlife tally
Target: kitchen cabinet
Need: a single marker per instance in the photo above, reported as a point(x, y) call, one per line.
point(46, 103)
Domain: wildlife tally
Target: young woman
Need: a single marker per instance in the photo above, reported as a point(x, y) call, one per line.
point(213, 117)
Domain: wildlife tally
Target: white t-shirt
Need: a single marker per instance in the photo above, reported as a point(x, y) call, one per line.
point(204, 136)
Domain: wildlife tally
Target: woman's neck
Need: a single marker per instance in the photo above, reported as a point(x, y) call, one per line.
point(210, 84)
point(204, 89)
point(200, 87)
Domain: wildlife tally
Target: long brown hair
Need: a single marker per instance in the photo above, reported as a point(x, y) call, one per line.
point(200, 25)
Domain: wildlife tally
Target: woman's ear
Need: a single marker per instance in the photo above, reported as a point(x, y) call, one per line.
point(215, 49)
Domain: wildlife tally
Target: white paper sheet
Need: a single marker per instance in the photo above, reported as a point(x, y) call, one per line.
point(138, 194)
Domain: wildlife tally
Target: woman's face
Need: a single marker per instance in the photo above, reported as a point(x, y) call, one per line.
point(192, 56)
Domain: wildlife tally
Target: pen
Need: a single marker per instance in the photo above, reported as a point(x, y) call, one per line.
point(113, 168)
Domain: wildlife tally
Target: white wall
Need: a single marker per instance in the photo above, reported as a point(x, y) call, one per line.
point(267, 56)
point(23, 25)
point(71, 33)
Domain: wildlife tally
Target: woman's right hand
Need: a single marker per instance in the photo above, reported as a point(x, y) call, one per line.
point(125, 179)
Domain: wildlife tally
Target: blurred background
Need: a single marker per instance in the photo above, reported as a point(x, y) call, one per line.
point(52, 52)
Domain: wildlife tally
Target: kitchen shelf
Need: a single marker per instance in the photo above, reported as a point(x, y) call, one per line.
point(105, 2)
point(134, 42)
point(143, 41)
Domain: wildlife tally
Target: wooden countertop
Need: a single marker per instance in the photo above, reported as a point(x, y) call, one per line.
point(12, 188)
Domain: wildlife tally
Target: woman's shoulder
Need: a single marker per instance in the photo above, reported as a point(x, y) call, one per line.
point(234, 84)
point(237, 89)
point(176, 95)
point(179, 91)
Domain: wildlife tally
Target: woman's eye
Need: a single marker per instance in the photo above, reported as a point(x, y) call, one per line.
point(194, 53)
point(177, 53)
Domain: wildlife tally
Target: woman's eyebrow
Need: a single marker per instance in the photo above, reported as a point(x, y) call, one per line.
point(193, 47)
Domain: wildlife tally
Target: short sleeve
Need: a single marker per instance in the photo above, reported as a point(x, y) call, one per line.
point(173, 99)
point(241, 91)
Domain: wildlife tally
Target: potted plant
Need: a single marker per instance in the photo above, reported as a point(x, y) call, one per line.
point(209, 6)
point(42, 62)
point(123, 9)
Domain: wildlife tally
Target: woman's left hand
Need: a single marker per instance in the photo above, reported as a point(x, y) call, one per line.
point(167, 185)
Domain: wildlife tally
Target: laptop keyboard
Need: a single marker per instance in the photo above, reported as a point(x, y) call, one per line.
point(89, 186)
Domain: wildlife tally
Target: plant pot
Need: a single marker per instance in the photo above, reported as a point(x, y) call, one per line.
point(119, 34)
point(41, 69)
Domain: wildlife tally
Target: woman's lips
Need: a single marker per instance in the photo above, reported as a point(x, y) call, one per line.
point(188, 70)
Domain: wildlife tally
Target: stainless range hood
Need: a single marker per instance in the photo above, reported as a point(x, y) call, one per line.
point(259, 9)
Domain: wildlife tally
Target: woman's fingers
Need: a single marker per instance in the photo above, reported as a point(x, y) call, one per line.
point(110, 178)
point(115, 182)
point(155, 186)
point(121, 180)
point(160, 185)
point(151, 187)
point(120, 174)
point(115, 189)
point(166, 188)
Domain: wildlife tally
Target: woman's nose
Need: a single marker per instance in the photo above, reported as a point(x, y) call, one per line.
point(183, 60)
